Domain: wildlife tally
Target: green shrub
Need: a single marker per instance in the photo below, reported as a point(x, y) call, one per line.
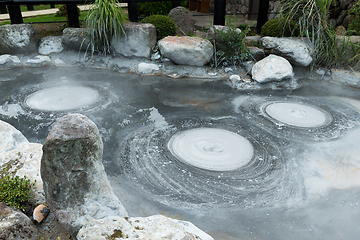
point(231, 46)
point(279, 27)
point(164, 25)
point(61, 12)
point(354, 21)
point(146, 9)
point(15, 191)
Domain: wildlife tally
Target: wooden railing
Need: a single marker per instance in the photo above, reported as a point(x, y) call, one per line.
point(73, 18)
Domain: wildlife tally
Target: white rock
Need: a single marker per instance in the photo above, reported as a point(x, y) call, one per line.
point(155, 227)
point(192, 51)
point(50, 44)
point(234, 78)
point(59, 62)
point(139, 41)
point(272, 68)
point(147, 68)
point(8, 61)
point(38, 61)
point(18, 39)
point(294, 50)
point(21, 158)
point(228, 70)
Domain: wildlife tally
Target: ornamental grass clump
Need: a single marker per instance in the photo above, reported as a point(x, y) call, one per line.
point(105, 21)
point(311, 19)
point(15, 191)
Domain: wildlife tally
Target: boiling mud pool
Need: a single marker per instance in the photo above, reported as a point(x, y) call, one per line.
point(252, 164)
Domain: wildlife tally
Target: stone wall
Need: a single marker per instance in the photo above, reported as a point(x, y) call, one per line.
point(234, 6)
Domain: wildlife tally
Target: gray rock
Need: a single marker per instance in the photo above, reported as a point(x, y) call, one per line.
point(75, 183)
point(345, 45)
point(253, 41)
point(183, 19)
point(340, 30)
point(351, 78)
point(294, 50)
point(341, 17)
point(8, 61)
point(147, 68)
point(139, 41)
point(192, 51)
point(345, 23)
point(155, 227)
point(77, 39)
point(50, 44)
point(272, 68)
point(256, 53)
point(15, 225)
point(38, 61)
point(18, 39)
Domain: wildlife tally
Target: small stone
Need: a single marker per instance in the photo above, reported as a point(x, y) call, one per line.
point(38, 61)
point(228, 70)
point(235, 78)
point(147, 68)
point(40, 213)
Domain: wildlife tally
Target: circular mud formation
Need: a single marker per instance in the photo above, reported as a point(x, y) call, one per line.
point(298, 118)
point(211, 163)
point(62, 98)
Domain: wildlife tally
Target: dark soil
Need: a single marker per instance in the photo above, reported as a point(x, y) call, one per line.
point(49, 29)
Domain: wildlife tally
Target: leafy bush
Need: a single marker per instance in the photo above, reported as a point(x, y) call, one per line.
point(354, 22)
point(61, 12)
point(105, 21)
point(164, 25)
point(279, 27)
point(146, 9)
point(231, 46)
point(15, 191)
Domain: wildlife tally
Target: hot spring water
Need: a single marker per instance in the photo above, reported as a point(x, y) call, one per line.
point(239, 164)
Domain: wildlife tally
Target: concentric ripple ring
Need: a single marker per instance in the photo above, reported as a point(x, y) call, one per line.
point(211, 148)
point(62, 98)
point(296, 114)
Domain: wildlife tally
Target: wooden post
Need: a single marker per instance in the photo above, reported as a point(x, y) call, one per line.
point(3, 9)
point(219, 12)
point(15, 14)
point(263, 14)
point(133, 11)
point(30, 7)
point(72, 15)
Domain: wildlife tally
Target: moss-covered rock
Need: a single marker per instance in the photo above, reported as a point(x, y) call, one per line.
point(279, 27)
point(164, 25)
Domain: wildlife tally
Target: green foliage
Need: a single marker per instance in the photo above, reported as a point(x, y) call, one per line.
point(354, 21)
point(164, 25)
point(62, 12)
point(105, 21)
point(280, 27)
point(231, 46)
point(311, 17)
point(146, 9)
point(15, 191)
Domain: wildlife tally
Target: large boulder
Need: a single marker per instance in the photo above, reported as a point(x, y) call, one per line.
point(272, 69)
point(155, 227)
point(192, 51)
point(346, 45)
point(77, 39)
point(15, 225)
point(18, 39)
point(50, 44)
point(75, 183)
point(294, 50)
point(20, 158)
point(183, 20)
point(139, 40)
